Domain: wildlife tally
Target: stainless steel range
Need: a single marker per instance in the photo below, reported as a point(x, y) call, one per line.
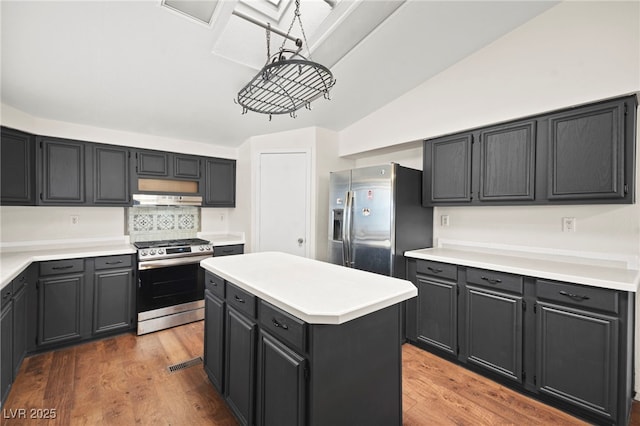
point(170, 282)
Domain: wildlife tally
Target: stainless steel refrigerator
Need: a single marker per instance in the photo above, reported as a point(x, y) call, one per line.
point(376, 215)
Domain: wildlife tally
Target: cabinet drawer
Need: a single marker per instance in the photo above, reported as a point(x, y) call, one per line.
point(241, 300)
point(437, 269)
point(579, 295)
point(54, 267)
point(228, 250)
point(214, 284)
point(108, 262)
point(283, 325)
point(495, 280)
point(18, 282)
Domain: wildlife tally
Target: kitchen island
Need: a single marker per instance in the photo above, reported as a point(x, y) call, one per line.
point(290, 340)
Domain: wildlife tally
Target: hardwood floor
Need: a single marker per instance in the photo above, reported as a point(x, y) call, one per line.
point(124, 381)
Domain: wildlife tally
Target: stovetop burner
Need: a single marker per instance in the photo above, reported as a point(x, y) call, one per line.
point(170, 243)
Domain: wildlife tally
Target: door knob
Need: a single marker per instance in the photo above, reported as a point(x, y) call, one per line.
point(300, 241)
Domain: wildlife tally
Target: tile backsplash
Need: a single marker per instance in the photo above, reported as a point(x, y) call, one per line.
point(162, 222)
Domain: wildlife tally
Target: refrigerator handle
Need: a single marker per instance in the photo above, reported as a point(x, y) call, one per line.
point(346, 230)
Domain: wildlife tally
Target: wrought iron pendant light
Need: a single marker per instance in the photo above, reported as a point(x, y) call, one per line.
point(288, 81)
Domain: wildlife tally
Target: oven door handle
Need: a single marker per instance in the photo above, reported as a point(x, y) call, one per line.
point(163, 263)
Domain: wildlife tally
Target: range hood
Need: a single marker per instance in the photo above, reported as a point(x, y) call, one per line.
point(166, 200)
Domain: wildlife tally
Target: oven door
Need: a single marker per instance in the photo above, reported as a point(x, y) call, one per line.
point(170, 282)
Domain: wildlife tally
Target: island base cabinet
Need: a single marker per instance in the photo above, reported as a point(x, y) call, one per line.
point(281, 384)
point(214, 339)
point(240, 365)
point(577, 360)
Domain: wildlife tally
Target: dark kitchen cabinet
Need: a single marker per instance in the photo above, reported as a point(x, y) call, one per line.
point(62, 168)
point(186, 166)
point(437, 307)
point(447, 170)
point(507, 162)
point(567, 344)
point(214, 327)
point(580, 337)
point(579, 155)
point(17, 168)
point(228, 250)
point(240, 364)
point(220, 182)
point(6, 339)
point(152, 163)
point(110, 175)
point(61, 301)
point(494, 322)
point(113, 292)
point(281, 384)
point(20, 322)
point(587, 153)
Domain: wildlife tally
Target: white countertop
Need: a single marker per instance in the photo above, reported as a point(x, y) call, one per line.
point(12, 263)
point(223, 239)
point(314, 291)
point(580, 273)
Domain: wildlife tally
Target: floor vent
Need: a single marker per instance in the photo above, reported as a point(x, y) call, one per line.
point(185, 364)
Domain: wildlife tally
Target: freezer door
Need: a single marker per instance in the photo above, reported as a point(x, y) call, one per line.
point(371, 236)
point(339, 183)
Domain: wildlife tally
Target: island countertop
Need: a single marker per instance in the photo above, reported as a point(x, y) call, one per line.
point(314, 291)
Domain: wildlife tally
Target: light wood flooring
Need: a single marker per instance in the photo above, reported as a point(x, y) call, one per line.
point(124, 381)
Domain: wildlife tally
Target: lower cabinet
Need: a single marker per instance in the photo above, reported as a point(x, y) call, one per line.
point(281, 384)
point(214, 339)
point(567, 344)
point(240, 365)
point(6, 339)
point(61, 308)
point(113, 294)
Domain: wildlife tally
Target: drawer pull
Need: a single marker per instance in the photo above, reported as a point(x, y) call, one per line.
point(114, 262)
point(57, 268)
point(434, 270)
point(492, 280)
point(239, 299)
point(574, 296)
point(227, 251)
point(280, 325)
point(6, 295)
point(215, 284)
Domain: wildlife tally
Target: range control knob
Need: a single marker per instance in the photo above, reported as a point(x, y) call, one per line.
point(152, 251)
point(143, 253)
point(201, 248)
point(207, 248)
point(161, 251)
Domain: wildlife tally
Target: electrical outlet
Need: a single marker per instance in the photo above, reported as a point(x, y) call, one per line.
point(75, 220)
point(444, 220)
point(221, 217)
point(568, 224)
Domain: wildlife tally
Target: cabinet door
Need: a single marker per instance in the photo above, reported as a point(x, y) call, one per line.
point(17, 181)
point(185, 166)
point(152, 163)
point(60, 308)
point(447, 170)
point(281, 384)
point(577, 357)
point(494, 331)
point(111, 175)
point(240, 366)
point(63, 172)
point(220, 182)
point(112, 295)
point(507, 162)
point(6, 350)
point(586, 153)
point(437, 314)
point(19, 328)
point(214, 339)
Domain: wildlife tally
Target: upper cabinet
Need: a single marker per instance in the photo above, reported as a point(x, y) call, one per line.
point(17, 154)
point(62, 167)
point(582, 155)
point(110, 172)
point(587, 152)
point(220, 182)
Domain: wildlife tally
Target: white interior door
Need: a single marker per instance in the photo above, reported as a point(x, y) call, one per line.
point(283, 205)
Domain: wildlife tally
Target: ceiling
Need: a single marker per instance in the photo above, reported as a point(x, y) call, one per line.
point(140, 67)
